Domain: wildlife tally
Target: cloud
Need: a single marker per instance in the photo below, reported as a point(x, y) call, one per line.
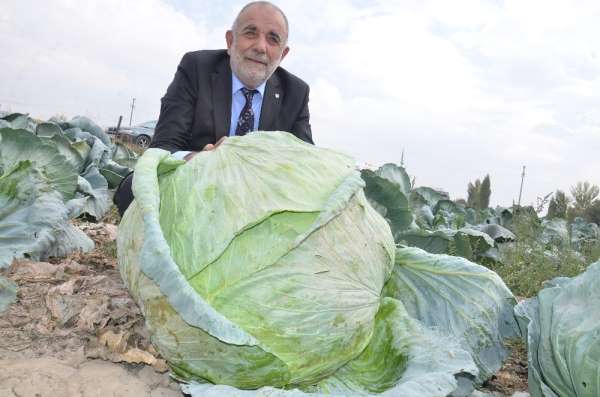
point(465, 88)
point(92, 57)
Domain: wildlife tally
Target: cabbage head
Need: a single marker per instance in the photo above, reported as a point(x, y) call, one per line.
point(261, 265)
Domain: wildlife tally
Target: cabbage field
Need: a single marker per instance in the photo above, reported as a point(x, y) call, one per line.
point(270, 267)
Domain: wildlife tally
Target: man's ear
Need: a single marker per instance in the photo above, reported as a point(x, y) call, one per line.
point(285, 52)
point(229, 39)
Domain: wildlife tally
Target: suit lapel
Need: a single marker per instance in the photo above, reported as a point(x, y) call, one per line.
point(221, 98)
point(271, 104)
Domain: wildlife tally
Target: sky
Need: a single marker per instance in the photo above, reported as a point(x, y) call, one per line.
point(463, 88)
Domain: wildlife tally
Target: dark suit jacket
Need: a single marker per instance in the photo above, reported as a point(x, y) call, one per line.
point(196, 110)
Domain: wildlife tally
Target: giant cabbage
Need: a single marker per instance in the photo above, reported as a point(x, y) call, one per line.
point(260, 268)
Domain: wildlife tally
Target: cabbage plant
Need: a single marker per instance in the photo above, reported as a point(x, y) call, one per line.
point(51, 172)
point(428, 219)
point(562, 329)
point(261, 269)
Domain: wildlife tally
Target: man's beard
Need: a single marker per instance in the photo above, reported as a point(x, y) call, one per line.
point(249, 72)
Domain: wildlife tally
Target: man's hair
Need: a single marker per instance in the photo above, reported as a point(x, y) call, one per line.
point(263, 3)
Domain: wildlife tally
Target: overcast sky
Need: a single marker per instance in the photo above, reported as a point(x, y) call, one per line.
point(465, 87)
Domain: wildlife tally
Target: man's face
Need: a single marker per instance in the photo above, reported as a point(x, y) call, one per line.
point(257, 45)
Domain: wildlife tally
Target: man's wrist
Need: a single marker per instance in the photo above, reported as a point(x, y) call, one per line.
point(189, 156)
point(181, 155)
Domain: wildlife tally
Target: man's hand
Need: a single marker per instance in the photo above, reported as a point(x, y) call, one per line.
point(208, 147)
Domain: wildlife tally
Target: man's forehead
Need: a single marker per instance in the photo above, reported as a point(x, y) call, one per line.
point(261, 16)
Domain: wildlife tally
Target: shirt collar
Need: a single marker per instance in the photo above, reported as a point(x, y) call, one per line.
point(237, 85)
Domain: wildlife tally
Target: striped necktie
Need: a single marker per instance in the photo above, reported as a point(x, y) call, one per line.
point(246, 121)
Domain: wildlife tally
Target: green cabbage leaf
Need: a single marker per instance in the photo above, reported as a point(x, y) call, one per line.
point(562, 329)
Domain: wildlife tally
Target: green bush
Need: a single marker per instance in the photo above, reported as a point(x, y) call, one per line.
point(527, 263)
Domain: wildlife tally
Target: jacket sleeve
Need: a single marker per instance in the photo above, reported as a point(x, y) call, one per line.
point(173, 130)
point(301, 126)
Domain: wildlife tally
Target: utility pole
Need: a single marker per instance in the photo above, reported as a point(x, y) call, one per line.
point(521, 189)
point(402, 159)
point(119, 124)
point(131, 114)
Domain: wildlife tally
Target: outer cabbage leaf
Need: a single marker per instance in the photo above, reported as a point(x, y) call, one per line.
point(448, 214)
point(17, 145)
point(96, 152)
point(467, 243)
point(554, 232)
point(498, 233)
point(434, 241)
point(397, 175)
point(460, 298)
point(583, 232)
point(19, 121)
point(123, 155)
point(99, 154)
point(403, 359)
point(87, 125)
point(71, 152)
point(430, 196)
point(389, 189)
point(114, 173)
point(68, 238)
point(92, 195)
point(48, 130)
point(562, 330)
point(423, 215)
point(29, 212)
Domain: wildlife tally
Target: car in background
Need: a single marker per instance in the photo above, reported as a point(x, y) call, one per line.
point(140, 134)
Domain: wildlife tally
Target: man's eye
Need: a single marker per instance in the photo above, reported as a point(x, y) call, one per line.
point(274, 40)
point(249, 34)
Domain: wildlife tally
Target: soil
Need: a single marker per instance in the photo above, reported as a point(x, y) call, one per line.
point(74, 331)
point(512, 377)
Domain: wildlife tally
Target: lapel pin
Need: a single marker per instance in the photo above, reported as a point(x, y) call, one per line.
point(276, 95)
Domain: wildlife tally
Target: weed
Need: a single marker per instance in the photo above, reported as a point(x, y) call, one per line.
point(527, 263)
point(110, 249)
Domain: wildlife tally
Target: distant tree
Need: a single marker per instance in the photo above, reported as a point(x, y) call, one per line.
point(485, 192)
point(592, 213)
point(473, 194)
point(584, 194)
point(478, 193)
point(558, 205)
point(59, 117)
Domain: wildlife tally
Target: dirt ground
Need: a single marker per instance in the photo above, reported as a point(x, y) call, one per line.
point(74, 331)
point(512, 377)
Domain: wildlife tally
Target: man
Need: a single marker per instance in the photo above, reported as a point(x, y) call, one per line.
point(220, 93)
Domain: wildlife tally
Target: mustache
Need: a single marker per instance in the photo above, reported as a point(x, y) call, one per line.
point(258, 58)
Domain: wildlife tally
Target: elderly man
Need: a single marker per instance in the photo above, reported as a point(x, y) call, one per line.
point(220, 93)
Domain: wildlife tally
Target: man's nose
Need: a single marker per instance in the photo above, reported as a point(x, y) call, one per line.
point(260, 45)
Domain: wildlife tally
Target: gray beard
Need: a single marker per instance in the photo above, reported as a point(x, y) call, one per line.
point(250, 78)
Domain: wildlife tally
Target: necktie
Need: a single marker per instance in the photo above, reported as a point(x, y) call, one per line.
point(246, 121)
